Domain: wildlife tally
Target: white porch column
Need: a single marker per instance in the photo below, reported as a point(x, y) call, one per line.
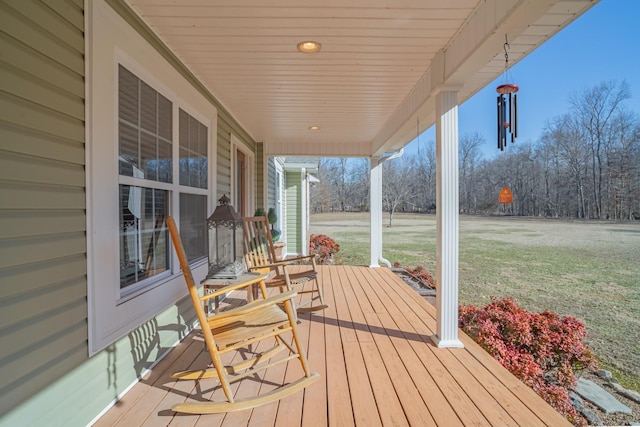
point(447, 219)
point(375, 210)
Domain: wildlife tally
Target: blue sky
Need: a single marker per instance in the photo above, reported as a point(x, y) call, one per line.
point(603, 44)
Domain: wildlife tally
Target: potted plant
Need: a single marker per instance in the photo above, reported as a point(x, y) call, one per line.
point(278, 246)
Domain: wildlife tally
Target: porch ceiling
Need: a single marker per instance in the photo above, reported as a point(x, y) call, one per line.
point(380, 67)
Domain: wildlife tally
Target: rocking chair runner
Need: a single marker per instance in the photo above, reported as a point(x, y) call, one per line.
point(260, 256)
point(241, 327)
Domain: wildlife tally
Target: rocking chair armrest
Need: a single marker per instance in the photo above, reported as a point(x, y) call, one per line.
point(233, 287)
point(299, 258)
point(264, 270)
point(255, 305)
point(282, 263)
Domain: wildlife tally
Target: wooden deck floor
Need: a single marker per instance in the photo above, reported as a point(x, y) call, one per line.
point(377, 363)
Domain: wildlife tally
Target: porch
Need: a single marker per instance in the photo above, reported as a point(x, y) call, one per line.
point(377, 363)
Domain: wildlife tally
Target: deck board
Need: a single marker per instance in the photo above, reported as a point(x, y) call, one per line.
point(409, 320)
point(378, 365)
point(315, 396)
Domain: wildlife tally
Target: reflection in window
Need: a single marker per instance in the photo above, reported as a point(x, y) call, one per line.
point(193, 225)
point(143, 237)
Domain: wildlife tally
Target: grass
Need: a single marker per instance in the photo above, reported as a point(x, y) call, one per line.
point(590, 270)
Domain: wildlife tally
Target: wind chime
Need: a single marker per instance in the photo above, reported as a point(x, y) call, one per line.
point(507, 115)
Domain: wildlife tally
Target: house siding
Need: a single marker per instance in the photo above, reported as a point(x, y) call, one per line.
point(42, 188)
point(226, 127)
point(293, 193)
point(48, 378)
point(223, 159)
point(271, 179)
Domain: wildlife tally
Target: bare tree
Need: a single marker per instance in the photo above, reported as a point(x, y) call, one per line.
point(567, 134)
point(549, 159)
point(623, 167)
point(469, 149)
point(596, 109)
point(359, 179)
point(397, 180)
point(325, 193)
point(341, 183)
point(425, 173)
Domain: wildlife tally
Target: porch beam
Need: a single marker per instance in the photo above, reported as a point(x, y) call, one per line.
point(447, 219)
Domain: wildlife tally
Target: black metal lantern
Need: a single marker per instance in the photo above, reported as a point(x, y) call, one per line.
point(225, 242)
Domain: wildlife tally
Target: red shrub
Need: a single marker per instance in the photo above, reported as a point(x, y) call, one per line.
point(543, 350)
point(323, 246)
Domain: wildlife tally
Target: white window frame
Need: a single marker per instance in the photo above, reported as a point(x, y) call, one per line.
point(238, 145)
point(110, 41)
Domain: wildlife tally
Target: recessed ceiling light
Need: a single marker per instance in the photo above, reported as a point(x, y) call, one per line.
point(309, 46)
point(314, 127)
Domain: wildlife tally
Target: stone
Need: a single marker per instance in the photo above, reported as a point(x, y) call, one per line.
point(631, 394)
point(604, 374)
point(600, 397)
point(578, 403)
point(616, 386)
point(591, 417)
point(575, 398)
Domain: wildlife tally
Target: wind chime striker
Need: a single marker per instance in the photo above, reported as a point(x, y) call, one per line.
point(507, 106)
point(505, 196)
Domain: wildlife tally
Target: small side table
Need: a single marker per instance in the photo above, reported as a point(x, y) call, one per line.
point(212, 284)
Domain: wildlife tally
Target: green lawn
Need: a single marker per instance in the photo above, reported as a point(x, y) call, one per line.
point(590, 270)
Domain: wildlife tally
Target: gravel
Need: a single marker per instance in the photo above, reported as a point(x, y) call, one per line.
point(613, 419)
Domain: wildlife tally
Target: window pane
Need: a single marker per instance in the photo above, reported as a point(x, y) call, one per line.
point(193, 135)
point(184, 166)
point(200, 148)
point(149, 155)
point(165, 172)
point(129, 157)
point(145, 130)
point(204, 167)
point(165, 122)
point(183, 128)
point(193, 227)
point(143, 237)
point(148, 108)
point(128, 96)
point(202, 140)
point(193, 151)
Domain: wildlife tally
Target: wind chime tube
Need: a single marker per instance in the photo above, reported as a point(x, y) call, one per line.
point(503, 135)
point(499, 125)
point(515, 116)
point(511, 116)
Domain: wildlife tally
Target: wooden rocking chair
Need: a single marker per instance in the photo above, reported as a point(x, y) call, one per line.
point(260, 256)
point(242, 327)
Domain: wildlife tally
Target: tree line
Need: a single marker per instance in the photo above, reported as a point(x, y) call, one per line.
point(585, 165)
